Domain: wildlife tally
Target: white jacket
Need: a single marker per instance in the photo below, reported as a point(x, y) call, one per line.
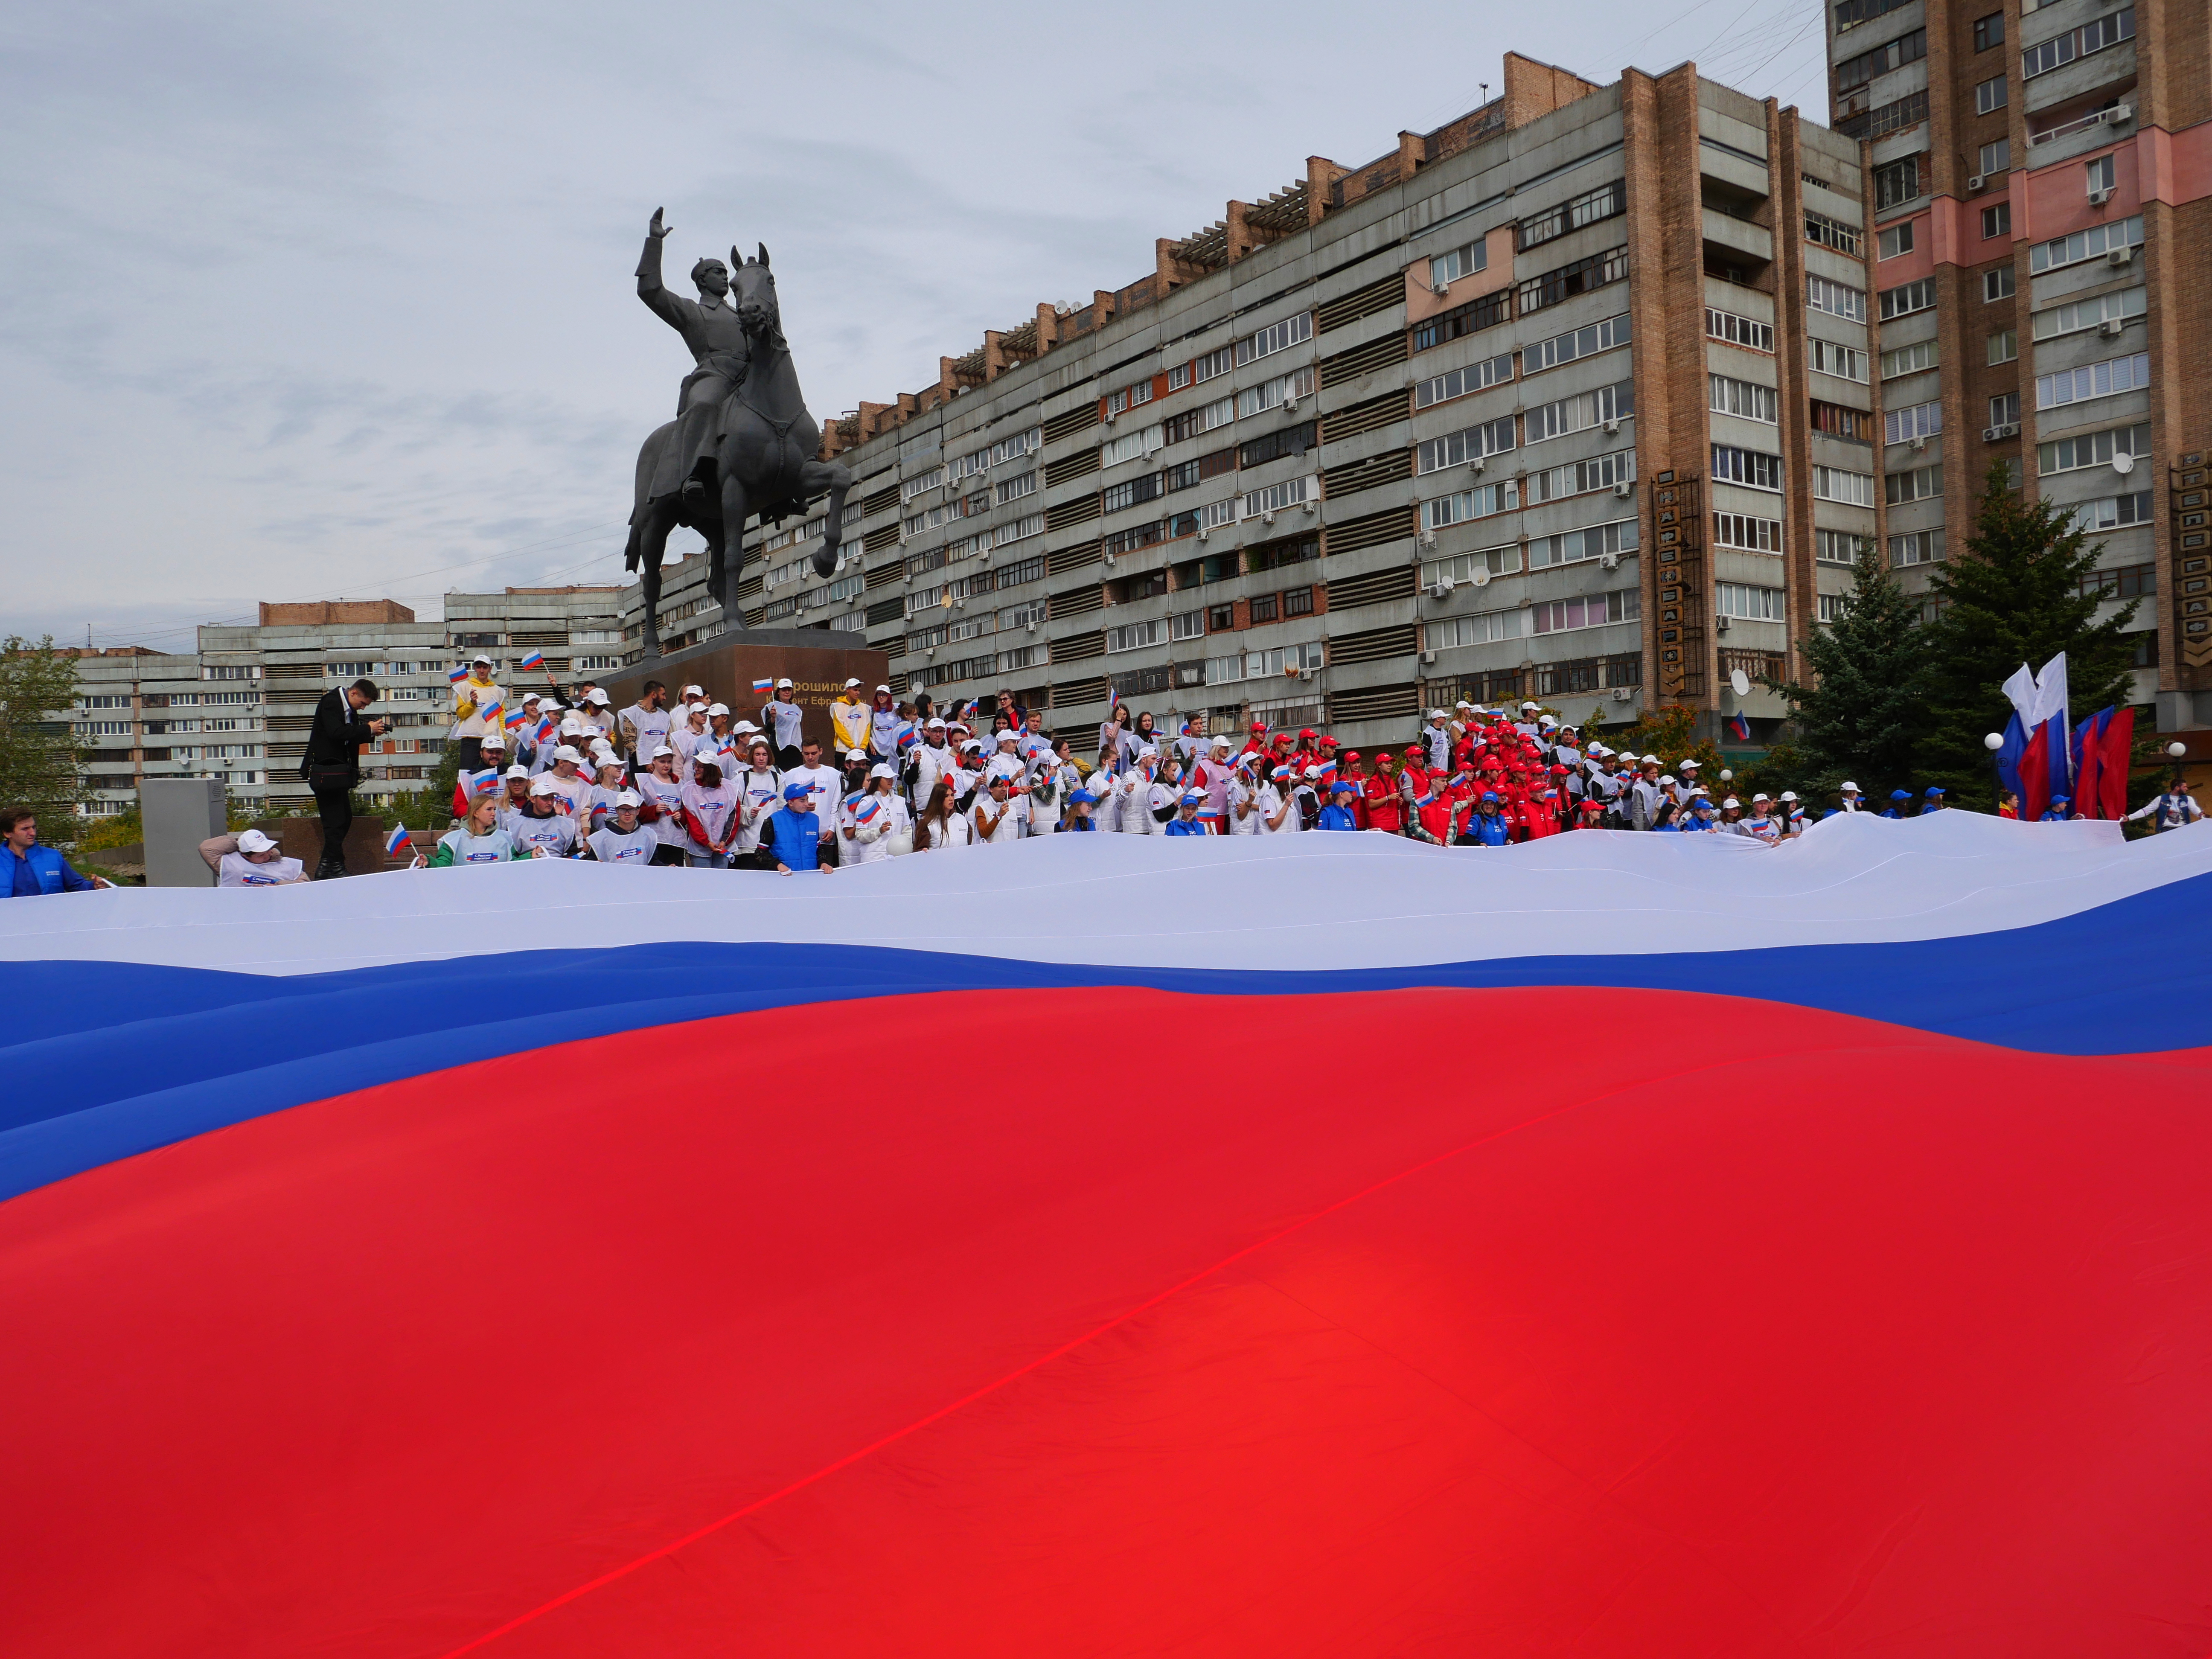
point(871, 841)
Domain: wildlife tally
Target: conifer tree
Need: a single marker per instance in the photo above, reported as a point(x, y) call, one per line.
point(1862, 718)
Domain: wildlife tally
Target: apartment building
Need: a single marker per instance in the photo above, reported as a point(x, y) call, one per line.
point(1530, 406)
point(2042, 248)
point(140, 713)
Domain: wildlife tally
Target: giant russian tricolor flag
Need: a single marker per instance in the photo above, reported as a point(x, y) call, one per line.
point(1618, 1245)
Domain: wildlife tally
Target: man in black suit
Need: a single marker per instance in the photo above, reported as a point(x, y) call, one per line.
point(332, 765)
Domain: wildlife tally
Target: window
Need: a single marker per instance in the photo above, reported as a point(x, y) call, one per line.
point(1264, 608)
point(1275, 497)
point(1457, 448)
point(1276, 337)
point(1446, 268)
point(2145, 654)
point(2102, 178)
point(1596, 611)
point(2086, 245)
point(1479, 503)
point(1192, 422)
point(1989, 30)
point(1262, 664)
point(1020, 530)
point(1284, 440)
point(1831, 605)
point(1895, 116)
point(1134, 636)
point(1273, 394)
point(1880, 60)
point(1128, 492)
point(1576, 545)
point(1749, 603)
point(1187, 624)
point(2114, 513)
point(2134, 581)
point(1989, 94)
point(1178, 377)
point(1996, 284)
point(1996, 158)
point(1462, 320)
point(1754, 535)
point(1910, 359)
point(1903, 426)
point(2004, 345)
point(2004, 409)
point(1583, 277)
point(1012, 490)
point(1751, 468)
point(1918, 485)
point(1487, 629)
point(2103, 380)
point(2094, 36)
point(1903, 302)
point(1129, 446)
point(1606, 202)
point(1997, 221)
point(1459, 382)
point(1128, 398)
point(1850, 14)
point(1832, 233)
point(1575, 343)
point(1297, 601)
point(1608, 406)
point(233, 672)
point(1843, 362)
point(2097, 310)
point(2094, 448)
point(1839, 546)
point(1919, 547)
point(1215, 363)
point(913, 487)
point(102, 728)
point(1834, 484)
point(1836, 299)
point(1841, 421)
point(1895, 241)
point(1746, 399)
point(1580, 477)
point(1897, 183)
point(1745, 332)
point(1495, 561)
point(109, 703)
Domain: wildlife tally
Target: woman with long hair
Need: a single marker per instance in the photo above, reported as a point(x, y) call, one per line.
point(1111, 729)
point(941, 824)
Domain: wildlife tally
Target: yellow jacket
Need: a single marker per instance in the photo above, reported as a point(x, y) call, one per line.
point(854, 723)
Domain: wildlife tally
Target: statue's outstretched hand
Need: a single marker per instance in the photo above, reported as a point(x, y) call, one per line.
point(656, 229)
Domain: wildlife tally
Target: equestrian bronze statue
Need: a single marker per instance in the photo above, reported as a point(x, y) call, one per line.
point(742, 442)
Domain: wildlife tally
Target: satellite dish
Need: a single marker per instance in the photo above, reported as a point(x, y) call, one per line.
point(1481, 577)
point(1739, 682)
point(2123, 463)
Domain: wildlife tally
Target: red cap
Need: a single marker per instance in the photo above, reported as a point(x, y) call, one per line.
point(1307, 732)
point(1328, 743)
point(1259, 725)
point(1413, 749)
point(1558, 771)
point(1352, 754)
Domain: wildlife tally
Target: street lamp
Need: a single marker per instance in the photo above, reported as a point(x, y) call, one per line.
point(1994, 741)
point(2177, 749)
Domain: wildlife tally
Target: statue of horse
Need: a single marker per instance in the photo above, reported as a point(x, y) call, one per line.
point(766, 462)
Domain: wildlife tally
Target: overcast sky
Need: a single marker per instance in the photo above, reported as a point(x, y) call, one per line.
point(309, 302)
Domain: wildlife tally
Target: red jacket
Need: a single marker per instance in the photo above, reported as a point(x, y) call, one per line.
point(1379, 796)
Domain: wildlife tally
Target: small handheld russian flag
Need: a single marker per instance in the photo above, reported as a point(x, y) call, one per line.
point(514, 719)
point(487, 783)
point(534, 659)
point(495, 717)
point(763, 686)
point(457, 675)
point(866, 814)
point(1113, 700)
point(907, 739)
point(398, 842)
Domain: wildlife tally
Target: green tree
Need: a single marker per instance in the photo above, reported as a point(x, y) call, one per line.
point(2014, 594)
point(1861, 718)
point(41, 765)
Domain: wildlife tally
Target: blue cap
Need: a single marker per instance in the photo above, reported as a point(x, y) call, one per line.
point(1490, 794)
point(1195, 798)
point(1343, 787)
point(2069, 799)
point(1083, 795)
point(1935, 789)
point(797, 791)
point(1900, 794)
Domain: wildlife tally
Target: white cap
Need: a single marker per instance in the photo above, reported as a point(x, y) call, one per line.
point(565, 753)
point(1756, 799)
point(628, 798)
point(479, 658)
point(881, 770)
point(973, 743)
point(1851, 788)
point(1546, 720)
point(1668, 779)
point(707, 757)
point(694, 707)
point(1219, 742)
point(1528, 705)
point(547, 705)
point(659, 750)
point(1464, 703)
point(1148, 751)
point(1733, 801)
point(1011, 735)
point(856, 753)
point(693, 686)
point(781, 684)
point(543, 785)
point(1313, 771)
point(491, 740)
point(517, 772)
point(533, 696)
point(932, 721)
point(571, 724)
point(850, 684)
point(885, 689)
point(1789, 794)
point(744, 728)
point(598, 696)
point(1438, 714)
point(718, 708)
point(1691, 762)
point(252, 841)
point(1649, 760)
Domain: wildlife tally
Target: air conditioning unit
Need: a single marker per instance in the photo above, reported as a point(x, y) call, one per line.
point(1268, 517)
point(1609, 561)
point(2119, 256)
point(1032, 625)
point(1621, 694)
point(1109, 561)
point(1920, 442)
point(2120, 114)
point(1439, 589)
point(1290, 404)
point(1613, 425)
point(1203, 532)
point(929, 651)
point(1624, 489)
point(1476, 465)
point(1428, 538)
point(1429, 658)
point(1440, 288)
point(1974, 183)
point(1312, 506)
point(2009, 429)
point(2098, 197)
point(1111, 416)
point(1720, 624)
point(2110, 327)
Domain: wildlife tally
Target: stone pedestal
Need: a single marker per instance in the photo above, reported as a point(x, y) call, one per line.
point(179, 814)
point(817, 662)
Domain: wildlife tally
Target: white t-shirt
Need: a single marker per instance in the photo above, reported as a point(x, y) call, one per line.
point(783, 720)
point(760, 795)
point(872, 839)
point(610, 845)
point(1242, 823)
point(827, 785)
point(237, 870)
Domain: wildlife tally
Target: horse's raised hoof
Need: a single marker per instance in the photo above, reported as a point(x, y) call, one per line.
point(826, 560)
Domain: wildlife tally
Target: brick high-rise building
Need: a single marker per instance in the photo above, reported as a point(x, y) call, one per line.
point(2042, 259)
point(1530, 406)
